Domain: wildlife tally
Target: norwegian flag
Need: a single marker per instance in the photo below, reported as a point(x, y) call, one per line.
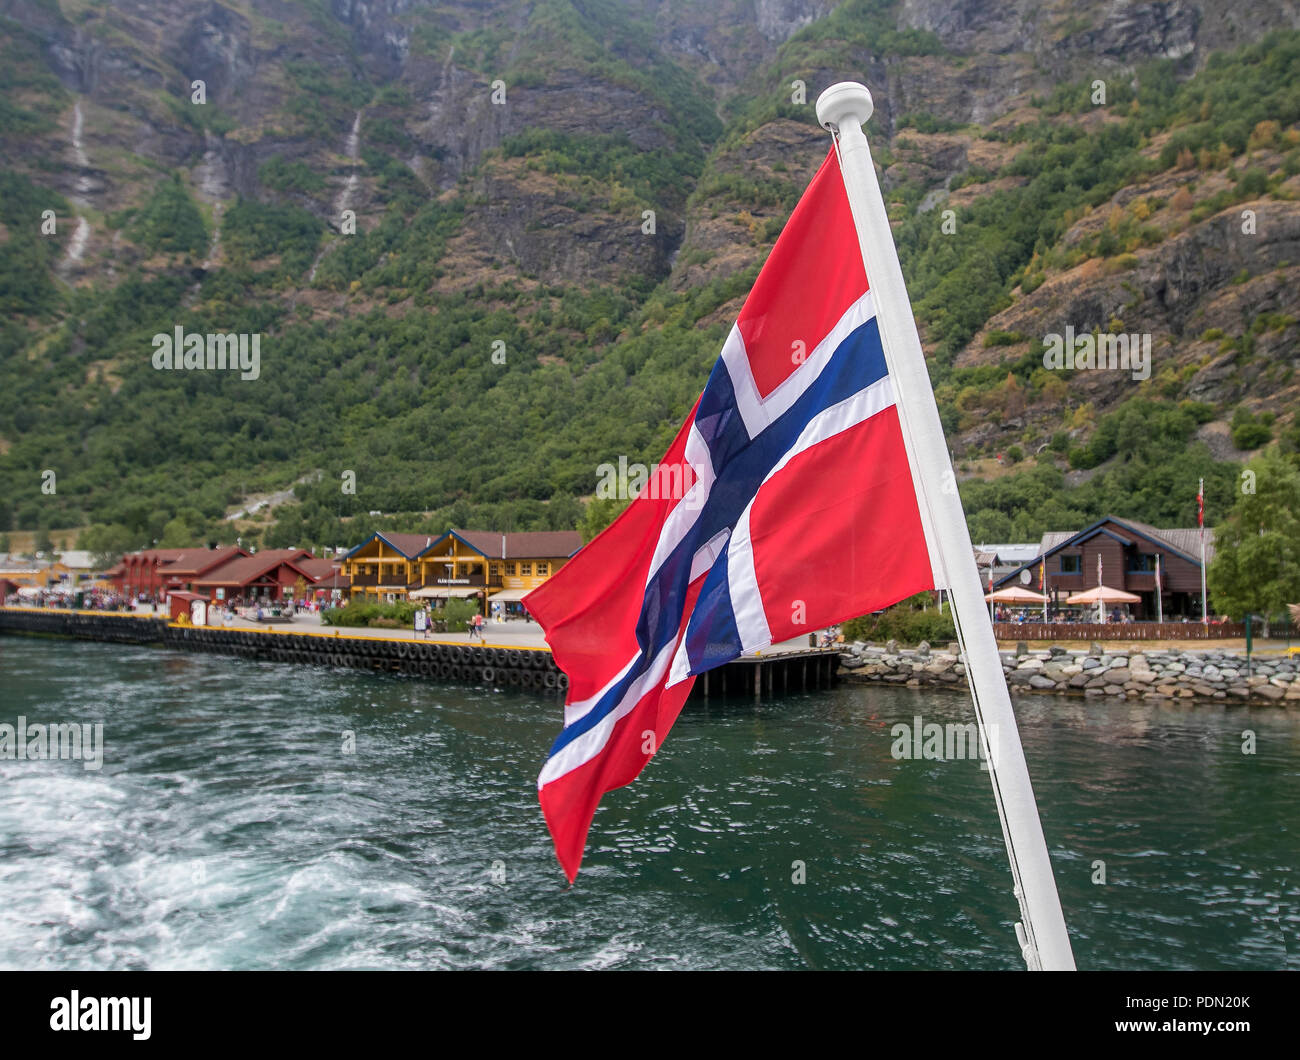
point(784, 505)
point(1200, 505)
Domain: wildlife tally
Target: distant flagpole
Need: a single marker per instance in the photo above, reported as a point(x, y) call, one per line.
point(1042, 585)
point(1044, 941)
point(1101, 607)
point(1200, 521)
point(1160, 603)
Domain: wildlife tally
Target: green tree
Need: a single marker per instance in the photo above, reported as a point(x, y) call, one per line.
point(176, 534)
point(106, 543)
point(1248, 431)
point(599, 514)
point(564, 512)
point(1256, 565)
point(188, 528)
point(170, 221)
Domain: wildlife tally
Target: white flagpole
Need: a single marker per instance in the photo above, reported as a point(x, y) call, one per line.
point(1200, 518)
point(1160, 602)
point(1101, 608)
point(1045, 943)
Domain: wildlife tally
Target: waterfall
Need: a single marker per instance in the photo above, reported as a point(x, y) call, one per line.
point(351, 148)
point(81, 234)
point(211, 186)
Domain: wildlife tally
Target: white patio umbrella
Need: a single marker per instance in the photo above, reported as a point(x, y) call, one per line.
point(1101, 596)
point(1015, 595)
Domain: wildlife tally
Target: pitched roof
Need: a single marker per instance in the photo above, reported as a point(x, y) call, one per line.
point(409, 545)
point(240, 570)
point(321, 569)
point(160, 555)
point(1187, 542)
point(1053, 538)
point(200, 560)
point(527, 544)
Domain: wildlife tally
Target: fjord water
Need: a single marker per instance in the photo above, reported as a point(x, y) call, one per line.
point(228, 829)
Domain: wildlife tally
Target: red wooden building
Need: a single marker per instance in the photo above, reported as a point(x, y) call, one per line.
point(187, 570)
point(226, 573)
point(270, 575)
point(153, 572)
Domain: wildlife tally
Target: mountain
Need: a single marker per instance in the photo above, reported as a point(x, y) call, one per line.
point(488, 247)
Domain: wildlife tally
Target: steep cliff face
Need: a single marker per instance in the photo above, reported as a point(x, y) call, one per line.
point(1213, 297)
point(596, 173)
point(1097, 33)
point(289, 80)
point(433, 87)
point(723, 43)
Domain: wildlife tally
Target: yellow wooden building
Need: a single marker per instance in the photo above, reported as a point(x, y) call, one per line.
point(39, 575)
point(488, 566)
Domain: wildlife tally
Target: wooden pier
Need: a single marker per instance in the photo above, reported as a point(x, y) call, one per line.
point(769, 675)
point(773, 673)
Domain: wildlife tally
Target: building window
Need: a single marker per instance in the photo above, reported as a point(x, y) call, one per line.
point(543, 569)
point(1142, 563)
point(1071, 564)
point(510, 568)
point(498, 569)
point(526, 570)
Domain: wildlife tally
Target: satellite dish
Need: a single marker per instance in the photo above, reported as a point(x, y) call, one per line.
point(1026, 577)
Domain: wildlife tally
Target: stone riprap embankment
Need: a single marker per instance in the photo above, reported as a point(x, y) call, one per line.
point(1131, 673)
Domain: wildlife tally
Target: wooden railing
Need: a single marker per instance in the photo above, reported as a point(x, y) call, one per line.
point(382, 579)
point(1117, 630)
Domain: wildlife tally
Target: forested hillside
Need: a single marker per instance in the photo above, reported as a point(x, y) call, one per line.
point(489, 247)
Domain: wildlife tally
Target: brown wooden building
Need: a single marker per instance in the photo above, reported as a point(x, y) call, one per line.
point(1128, 551)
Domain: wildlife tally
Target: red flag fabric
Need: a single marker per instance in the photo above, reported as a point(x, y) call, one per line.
point(784, 505)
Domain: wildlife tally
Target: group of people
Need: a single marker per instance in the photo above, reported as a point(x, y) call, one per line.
point(425, 623)
point(1035, 614)
point(1118, 615)
point(87, 600)
point(1027, 614)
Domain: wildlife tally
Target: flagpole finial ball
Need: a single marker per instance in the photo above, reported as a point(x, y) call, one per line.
point(846, 101)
